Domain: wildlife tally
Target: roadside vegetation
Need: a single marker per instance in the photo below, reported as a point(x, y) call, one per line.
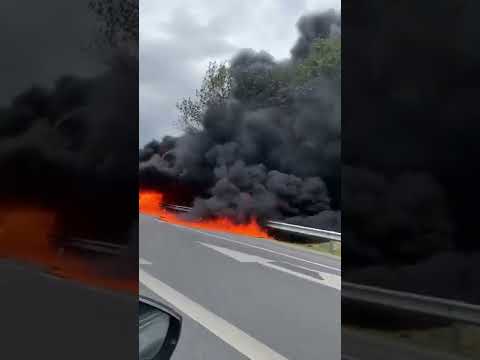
point(220, 82)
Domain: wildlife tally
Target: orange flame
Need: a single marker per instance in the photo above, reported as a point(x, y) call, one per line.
point(150, 203)
point(26, 236)
point(25, 233)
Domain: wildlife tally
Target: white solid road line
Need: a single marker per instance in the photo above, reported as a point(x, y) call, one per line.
point(253, 246)
point(233, 336)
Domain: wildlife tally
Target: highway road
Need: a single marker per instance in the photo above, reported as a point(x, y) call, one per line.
point(47, 317)
point(242, 298)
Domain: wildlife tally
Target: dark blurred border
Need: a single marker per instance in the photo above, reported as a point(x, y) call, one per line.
point(410, 253)
point(69, 183)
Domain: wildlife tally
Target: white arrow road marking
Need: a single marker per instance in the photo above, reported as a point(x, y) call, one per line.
point(249, 245)
point(330, 280)
point(233, 336)
point(237, 255)
point(144, 262)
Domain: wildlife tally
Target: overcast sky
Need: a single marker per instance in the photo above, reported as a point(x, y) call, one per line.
point(177, 41)
point(50, 42)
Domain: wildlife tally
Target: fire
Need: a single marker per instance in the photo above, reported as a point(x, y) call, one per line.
point(150, 203)
point(26, 236)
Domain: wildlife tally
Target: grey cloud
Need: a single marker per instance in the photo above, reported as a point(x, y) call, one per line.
point(168, 73)
point(46, 66)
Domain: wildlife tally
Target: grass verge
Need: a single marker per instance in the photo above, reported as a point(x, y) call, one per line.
point(461, 339)
point(324, 248)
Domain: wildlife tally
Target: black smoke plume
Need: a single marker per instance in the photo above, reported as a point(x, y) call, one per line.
point(272, 151)
point(409, 121)
point(70, 148)
point(312, 27)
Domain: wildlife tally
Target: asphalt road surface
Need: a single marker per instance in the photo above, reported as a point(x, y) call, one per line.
point(46, 317)
point(242, 298)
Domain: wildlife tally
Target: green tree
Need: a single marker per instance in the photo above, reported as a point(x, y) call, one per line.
point(215, 90)
point(324, 59)
point(259, 86)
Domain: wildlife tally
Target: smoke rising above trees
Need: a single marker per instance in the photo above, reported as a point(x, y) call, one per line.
point(271, 148)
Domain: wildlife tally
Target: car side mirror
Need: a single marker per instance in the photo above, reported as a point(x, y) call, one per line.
point(158, 330)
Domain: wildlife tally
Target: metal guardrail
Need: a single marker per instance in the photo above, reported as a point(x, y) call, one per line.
point(456, 311)
point(332, 236)
point(178, 208)
point(445, 308)
point(325, 234)
point(95, 246)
